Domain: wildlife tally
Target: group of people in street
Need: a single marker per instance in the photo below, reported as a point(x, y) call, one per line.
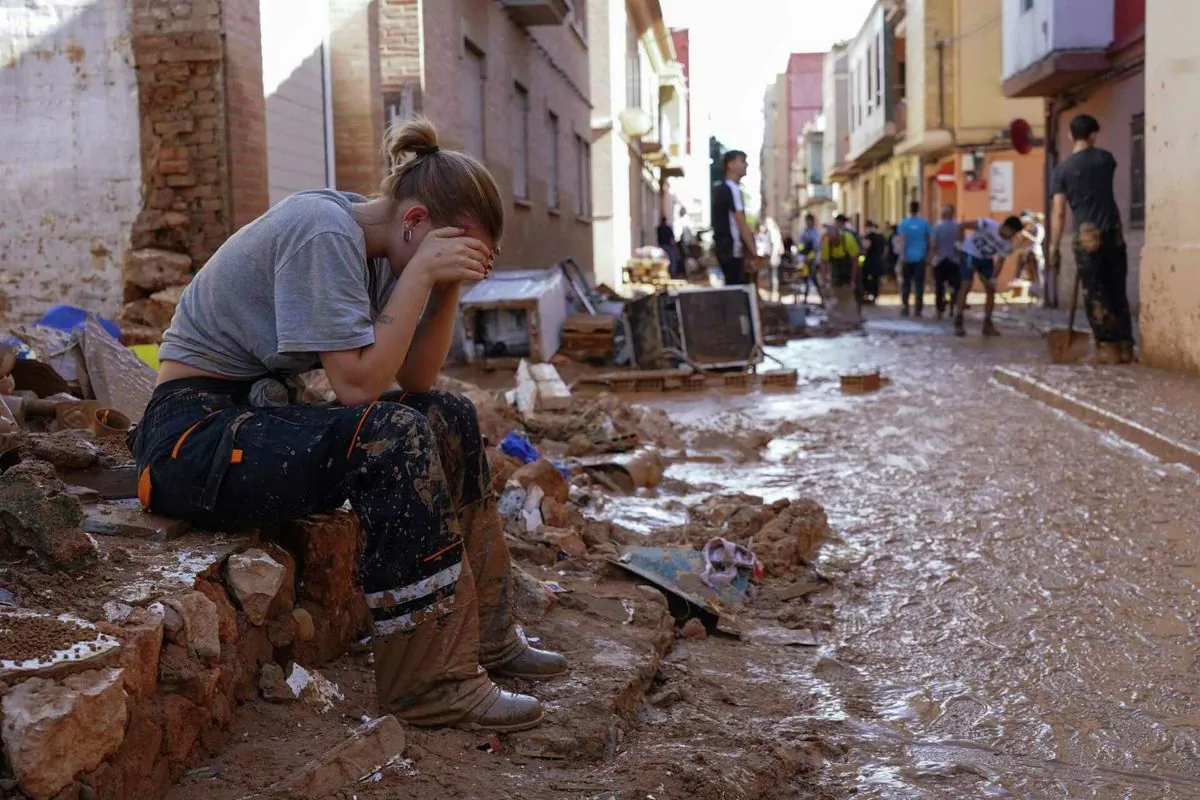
point(956, 254)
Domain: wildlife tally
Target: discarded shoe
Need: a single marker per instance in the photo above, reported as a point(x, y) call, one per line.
point(532, 664)
point(505, 713)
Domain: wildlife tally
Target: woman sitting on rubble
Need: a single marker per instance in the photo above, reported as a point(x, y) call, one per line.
point(368, 290)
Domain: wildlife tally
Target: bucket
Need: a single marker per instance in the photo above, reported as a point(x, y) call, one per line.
point(108, 423)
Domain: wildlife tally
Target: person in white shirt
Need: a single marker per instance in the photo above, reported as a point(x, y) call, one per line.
point(985, 248)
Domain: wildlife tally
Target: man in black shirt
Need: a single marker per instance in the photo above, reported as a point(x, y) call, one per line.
point(1085, 182)
point(873, 264)
point(666, 240)
point(732, 237)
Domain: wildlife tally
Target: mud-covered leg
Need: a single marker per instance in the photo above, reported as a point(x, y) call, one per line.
point(455, 426)
point(418, 586)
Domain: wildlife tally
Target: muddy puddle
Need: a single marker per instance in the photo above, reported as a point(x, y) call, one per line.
point(1018, 597)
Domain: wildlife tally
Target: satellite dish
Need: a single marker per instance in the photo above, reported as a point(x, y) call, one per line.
point(1020, 133)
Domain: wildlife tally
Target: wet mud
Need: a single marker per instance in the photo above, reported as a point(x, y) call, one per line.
point(1004, 605)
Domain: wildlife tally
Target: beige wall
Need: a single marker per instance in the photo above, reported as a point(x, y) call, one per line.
point(1170, 281)
point(928, 21)
point(981, 108)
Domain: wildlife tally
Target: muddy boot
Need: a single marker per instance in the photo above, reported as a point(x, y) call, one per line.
point(503, 650)
point(989, 329)
point(1107, 354)
point(429, 675)
point(960, 329)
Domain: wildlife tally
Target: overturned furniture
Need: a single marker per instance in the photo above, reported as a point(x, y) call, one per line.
point(707, 328)
point(515, 314)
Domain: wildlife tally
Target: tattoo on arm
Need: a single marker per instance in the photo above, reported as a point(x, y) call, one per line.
point(385, 319)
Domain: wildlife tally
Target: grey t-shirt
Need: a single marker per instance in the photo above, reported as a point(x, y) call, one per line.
point(290, 285)
point(945, 240)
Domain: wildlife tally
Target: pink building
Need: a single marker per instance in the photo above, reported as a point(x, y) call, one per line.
point(803, 95)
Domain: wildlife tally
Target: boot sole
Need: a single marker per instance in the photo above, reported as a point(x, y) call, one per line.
point(510, 728)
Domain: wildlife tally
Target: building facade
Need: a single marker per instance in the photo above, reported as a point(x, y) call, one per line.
point(693, 191)
point(639, 129)
point(510, 85)
point(790, 103)
point(1086, 57)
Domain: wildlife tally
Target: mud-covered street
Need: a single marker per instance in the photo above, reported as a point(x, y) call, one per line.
point(1004, 609)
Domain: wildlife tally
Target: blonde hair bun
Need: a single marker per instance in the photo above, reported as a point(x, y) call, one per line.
point(412, 139)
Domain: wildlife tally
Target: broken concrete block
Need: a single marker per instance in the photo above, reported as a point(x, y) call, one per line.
point(63, 449)
point(55, 731)
point(368, 750)
point(129, 519)
point(198, 627)
point(254, 578)
point(142, 636)
point(48, 524)
point(531, 597)
point(160, 306)
point(314, 689)
point(153, 270)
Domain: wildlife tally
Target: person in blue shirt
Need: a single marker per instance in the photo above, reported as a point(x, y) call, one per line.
point(915, 246)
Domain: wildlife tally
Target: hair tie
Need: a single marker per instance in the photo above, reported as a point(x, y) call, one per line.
point(428, 151)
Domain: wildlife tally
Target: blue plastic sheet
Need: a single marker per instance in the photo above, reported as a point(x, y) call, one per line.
point(68, 318)
point(517, 446)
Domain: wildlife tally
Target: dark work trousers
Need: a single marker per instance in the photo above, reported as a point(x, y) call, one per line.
point(1103, 268)
point(946, 278)
point(913, 281)
point(204, 455)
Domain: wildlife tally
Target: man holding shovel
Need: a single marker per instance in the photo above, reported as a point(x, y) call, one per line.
point(1085, 182)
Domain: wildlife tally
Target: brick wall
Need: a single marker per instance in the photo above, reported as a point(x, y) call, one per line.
point(399, 44)
point(203, 146)
point(552, 63)
point(357, 94)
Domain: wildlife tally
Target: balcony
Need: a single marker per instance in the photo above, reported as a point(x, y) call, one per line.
point(1052, 45)
point(531, 13)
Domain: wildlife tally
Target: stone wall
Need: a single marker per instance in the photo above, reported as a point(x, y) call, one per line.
point(70, 161)
point(203, 147)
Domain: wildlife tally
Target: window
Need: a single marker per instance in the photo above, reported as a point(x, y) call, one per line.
point(879, 70)
point(473, 95)
point(870, 74)
point(1137, 171)
point(633, 69)
point(552, 124)
point(1026, 5)
point(521, 142)
point(583, 177)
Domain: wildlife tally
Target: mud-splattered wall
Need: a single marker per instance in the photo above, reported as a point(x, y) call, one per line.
point(69, 160)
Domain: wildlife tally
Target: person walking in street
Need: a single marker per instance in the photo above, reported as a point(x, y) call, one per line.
point(732, 237)
point(840, 251)
point(367, 289)
point(685, 239)
point(985, 249)
point(810, 256)
point(1045, 278)
point(946, 261)
point(916, 246)
point(874, 265)
point(1084, 181)
point(665, 235)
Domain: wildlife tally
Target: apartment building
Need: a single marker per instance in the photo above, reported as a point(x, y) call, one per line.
point(793, 101)
point(639, 128)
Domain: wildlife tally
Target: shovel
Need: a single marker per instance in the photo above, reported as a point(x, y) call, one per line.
point(1068, 346)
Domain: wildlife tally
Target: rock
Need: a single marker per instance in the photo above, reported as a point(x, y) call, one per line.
point(273, 686)
point(254, 578)
point(55, 731)
point(199, 625)
point(281, 631)
point(567, 541)
point(304, 624)
point(502, 468)
point(531, 598)
point(115, 611)
point(545, 475)
point(153, 270)
point(693, 629)
point(48, 524)
point(793, 536)
point(69, 449)
point(142, 635)
point(227, 628)
point(184, 721)
point(554, 513)
point(367, 750)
